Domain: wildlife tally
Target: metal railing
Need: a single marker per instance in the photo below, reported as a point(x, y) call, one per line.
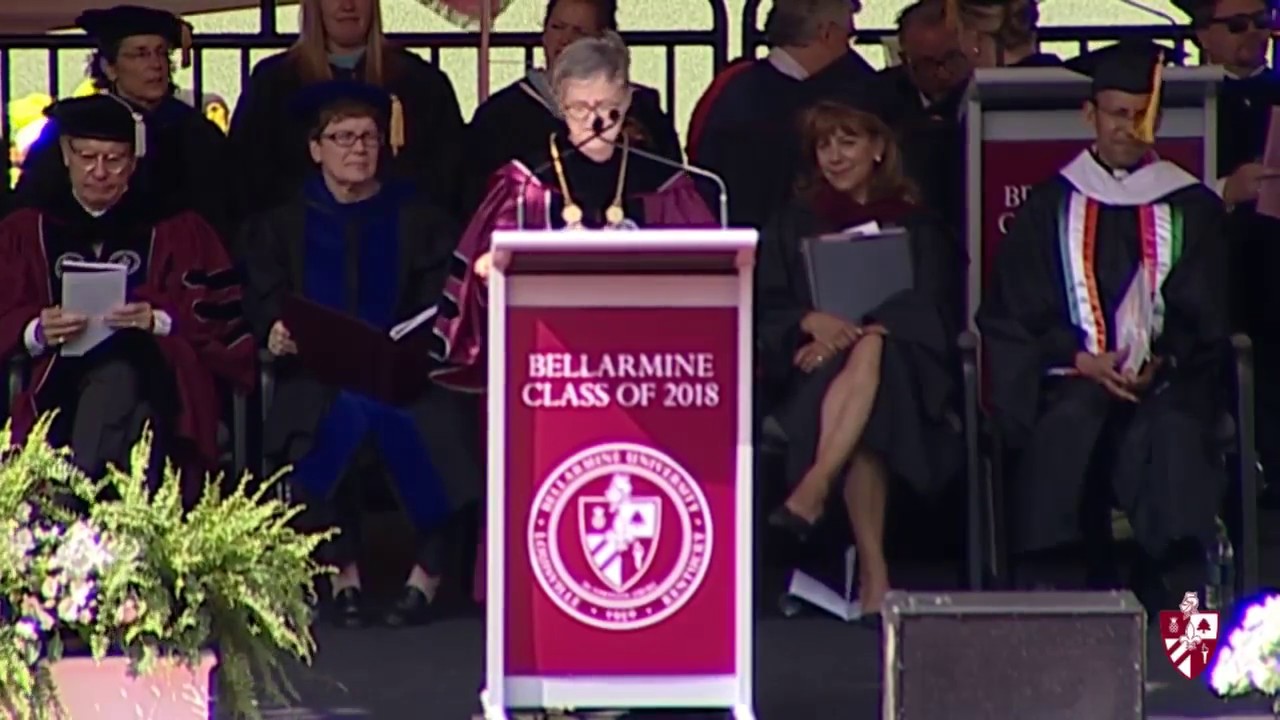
point(432, 45)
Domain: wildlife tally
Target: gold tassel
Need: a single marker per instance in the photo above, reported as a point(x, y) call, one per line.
point(1147, 123)
point(186, 44)
point(397, 125)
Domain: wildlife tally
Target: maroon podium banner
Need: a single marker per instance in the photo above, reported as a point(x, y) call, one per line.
point(1010, 168)
point(621, 471)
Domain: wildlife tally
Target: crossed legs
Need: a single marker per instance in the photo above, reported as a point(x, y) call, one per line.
point(846, 408)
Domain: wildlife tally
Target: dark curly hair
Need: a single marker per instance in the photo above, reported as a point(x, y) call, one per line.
point(606, 12)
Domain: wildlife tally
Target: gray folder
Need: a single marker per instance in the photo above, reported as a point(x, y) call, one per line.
point(850, 275)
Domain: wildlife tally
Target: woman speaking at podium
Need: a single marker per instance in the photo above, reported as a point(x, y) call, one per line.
point(870, 399)
point(591, 178)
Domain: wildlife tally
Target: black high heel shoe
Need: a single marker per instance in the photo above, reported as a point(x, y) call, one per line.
point(797, 527)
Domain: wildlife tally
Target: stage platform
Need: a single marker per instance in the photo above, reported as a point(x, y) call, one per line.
point(807, 668)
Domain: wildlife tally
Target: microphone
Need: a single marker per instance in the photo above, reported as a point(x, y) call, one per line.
point(1152, 11)
point(598, 128)
point(692, 170)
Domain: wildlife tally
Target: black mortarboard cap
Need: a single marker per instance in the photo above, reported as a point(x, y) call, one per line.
point(109, 26)
point(1134, 66)
point(1128, 66)
point(315, 98)
point(95, 117)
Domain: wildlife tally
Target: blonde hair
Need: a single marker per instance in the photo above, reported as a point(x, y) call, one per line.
point(827, 119)
point(591, 57)
point(311, 54)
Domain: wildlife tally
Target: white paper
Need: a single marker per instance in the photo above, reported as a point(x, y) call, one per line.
point(823, 597)
point(92, 290)
point(865, 229)
point(412, 323)
point(1134, 321)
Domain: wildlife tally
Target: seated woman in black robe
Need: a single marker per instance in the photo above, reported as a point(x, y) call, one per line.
point(345, 41)
point(871, 399)
point(515, 121)
point(585, 178)
point(179, 331)
point(184, 162)
point(378, 253)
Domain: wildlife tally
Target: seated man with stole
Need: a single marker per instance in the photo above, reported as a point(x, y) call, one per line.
point(1104, 323)
point(181, 326)
point(356, 250)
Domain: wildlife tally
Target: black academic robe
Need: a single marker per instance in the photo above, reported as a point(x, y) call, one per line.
point(514, 123)
point(931, 136)
point(749, 136)
point(177, 265)
point(1155, 459)
point(187, 166)
point(913, 424)
point(269, 140)
point(383, 260)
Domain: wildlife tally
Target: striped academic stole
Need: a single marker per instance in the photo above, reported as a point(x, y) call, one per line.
point(1160, 226)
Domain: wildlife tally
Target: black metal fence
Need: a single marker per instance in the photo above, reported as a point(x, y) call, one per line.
point(432, 45)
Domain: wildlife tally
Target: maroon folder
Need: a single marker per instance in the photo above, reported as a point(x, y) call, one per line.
point(346, 352)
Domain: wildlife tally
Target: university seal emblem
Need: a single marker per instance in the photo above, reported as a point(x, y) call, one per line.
point(1190, 636)
point(620, 536)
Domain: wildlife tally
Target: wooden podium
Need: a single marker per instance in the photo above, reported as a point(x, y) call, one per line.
point(619, 512)
point(1024, 124)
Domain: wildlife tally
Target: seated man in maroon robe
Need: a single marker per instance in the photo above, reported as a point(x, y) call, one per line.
point(179, 329)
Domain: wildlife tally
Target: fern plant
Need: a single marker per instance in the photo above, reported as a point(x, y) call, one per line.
point(150, 580)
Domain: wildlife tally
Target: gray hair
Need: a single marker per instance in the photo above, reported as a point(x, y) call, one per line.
point(591, 57)
point(793, 23)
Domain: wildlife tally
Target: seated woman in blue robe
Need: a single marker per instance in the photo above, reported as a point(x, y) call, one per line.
point(380, 253)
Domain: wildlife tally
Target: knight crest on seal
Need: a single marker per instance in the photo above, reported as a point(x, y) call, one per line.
point(1190, 635)
point(620, 536)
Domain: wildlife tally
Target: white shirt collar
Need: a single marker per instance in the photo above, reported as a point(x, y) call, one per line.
point(787, 65)
point(1143, 186)
point(87, 209)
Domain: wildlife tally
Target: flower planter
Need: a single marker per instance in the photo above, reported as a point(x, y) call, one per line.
point(106, 690)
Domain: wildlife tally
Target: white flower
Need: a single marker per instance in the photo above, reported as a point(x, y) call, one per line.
point(27, 630)
point(76, 602)
point(22, 542)
point(1249, 660)
point(83, 552)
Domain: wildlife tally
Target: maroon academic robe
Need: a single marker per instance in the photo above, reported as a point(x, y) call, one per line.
point(188, 276)
point(657, 196)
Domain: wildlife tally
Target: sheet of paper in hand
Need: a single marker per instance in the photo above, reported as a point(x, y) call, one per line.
point(1134, 321)
point(348, 353)
point(92, 290)
point(1269, 188)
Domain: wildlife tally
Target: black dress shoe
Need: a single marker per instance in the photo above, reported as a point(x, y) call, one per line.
point(791, 523)
point(412, 608)
point(347, 608)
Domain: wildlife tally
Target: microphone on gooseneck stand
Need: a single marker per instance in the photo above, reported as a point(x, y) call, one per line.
point(598, 128)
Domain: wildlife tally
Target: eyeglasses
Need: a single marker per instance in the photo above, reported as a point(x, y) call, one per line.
point(954, 62)
point(580, 111)
point(347, 138)
point(1244, 22)
point(112, 163)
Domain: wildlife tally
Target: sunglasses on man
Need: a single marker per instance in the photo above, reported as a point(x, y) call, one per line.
point(1244, 22)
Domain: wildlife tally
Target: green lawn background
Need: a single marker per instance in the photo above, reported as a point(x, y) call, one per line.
point(29, 71)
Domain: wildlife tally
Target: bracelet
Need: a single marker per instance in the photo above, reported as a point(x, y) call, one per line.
point(41, 340)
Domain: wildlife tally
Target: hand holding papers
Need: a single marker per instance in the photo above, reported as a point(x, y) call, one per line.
point(348, 353)
point(94, 291)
